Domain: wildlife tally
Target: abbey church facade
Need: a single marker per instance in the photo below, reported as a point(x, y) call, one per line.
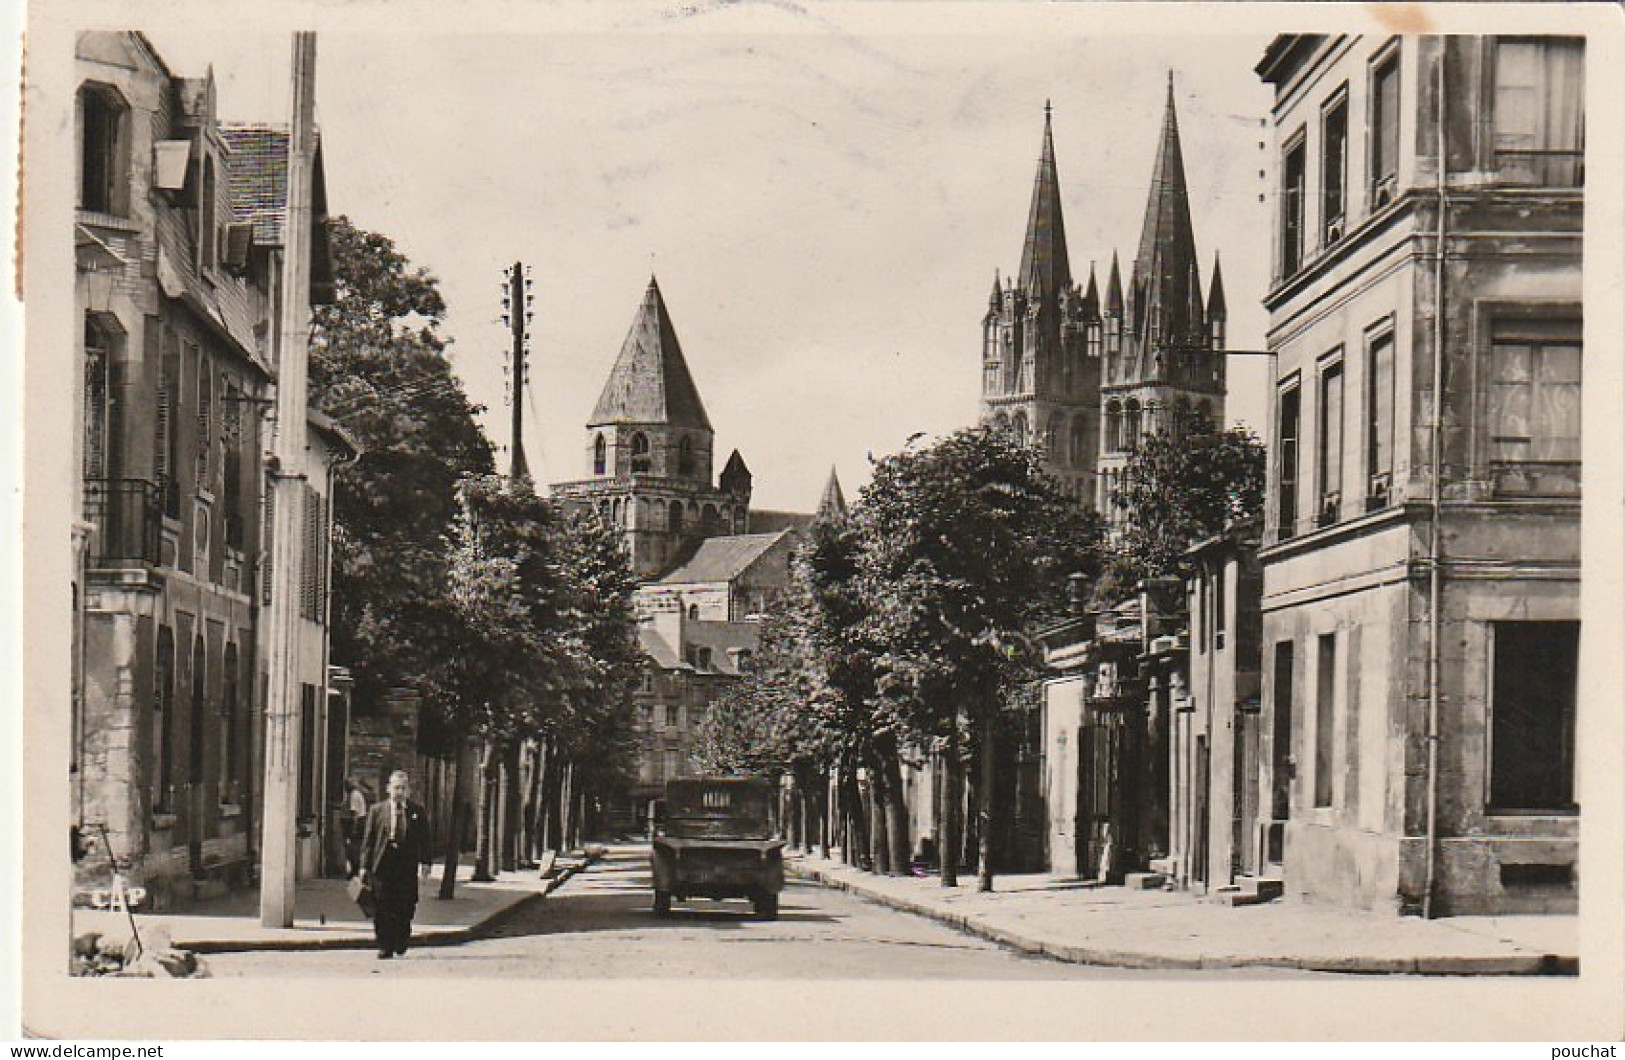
point(1086, 377)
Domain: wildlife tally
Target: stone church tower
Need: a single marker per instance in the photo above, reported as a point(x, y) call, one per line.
point(1163, 368)
point(1041, 344)
point(649, 452)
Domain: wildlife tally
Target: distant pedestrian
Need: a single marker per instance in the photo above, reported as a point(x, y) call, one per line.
point(393, 846)
point(355, 821)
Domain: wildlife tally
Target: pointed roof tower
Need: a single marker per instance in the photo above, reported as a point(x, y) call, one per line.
point(735, 476)
point(833, 502)
point(994, 298)
point(1114, 288)
point(1091, 295)
point(1215, 294)
point(650, 382)
point(1044, 269)
point(1166, 261)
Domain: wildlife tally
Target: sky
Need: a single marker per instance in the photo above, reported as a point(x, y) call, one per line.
point(824, 205)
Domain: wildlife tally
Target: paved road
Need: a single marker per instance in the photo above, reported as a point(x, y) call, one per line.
point(600, 925)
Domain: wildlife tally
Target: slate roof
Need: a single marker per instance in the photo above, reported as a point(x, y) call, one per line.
point(718, 636)
point(259, 177)
point(722, 559)
point(767, 521)
point(1166, 262)
point(650, 382)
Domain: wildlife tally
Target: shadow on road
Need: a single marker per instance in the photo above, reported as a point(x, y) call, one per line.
point(617, 894)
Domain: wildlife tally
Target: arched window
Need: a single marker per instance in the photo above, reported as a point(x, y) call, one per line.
point(1080, 440)
point(685, 456)
point(640, 453)
point(674, 521)
point(710, 519)
point(1001, 423)
point(1052, 437)
point(104, 151)
point(1018, 428)
point(600, 455)
point(1114, 426)
point(1131, 424)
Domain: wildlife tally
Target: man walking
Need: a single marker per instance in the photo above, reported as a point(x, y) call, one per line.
point(394, 844)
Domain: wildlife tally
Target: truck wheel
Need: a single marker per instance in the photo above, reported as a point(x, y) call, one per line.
point(662, 903)
point(767, 906)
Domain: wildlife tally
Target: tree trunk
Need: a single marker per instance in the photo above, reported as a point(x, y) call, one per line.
point(566, 807)
point(949, 854)
point(984, 805)
point(879, 847)
point(510, 808)
point(482, 820)
point(897, 816)
point(855, 842)
point(530, 811)
point(825, 817)
point(454, 830)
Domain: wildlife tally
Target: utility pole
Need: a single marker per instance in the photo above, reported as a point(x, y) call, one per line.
point(516, 314)
point(278, 854)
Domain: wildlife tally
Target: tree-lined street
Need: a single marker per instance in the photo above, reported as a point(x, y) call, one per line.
point(600, 925)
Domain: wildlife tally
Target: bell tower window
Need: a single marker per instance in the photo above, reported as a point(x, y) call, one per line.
point(640, 454)
point(685, 457)
point(600, 453)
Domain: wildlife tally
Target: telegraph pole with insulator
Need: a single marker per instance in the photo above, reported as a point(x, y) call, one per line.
point(517, 312)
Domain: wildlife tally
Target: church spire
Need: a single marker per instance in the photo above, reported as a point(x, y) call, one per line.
point(833, 502)
point(1166, 262)
point(1044, 270)
point(1215, 293)
point(650, 383)
point(1091, 295)
point(1114, 289)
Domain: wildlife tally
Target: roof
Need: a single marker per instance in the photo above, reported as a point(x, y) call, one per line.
point(650, 382)
point(259, 177)
point(332, 433)
point(765, 521)
point(722, 559)
point(1045, 272)
point(720, 637)
point(833, 502)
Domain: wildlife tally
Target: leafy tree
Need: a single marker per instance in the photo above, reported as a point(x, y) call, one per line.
point(378, 367)
point(967, 545)
point(1178, 490)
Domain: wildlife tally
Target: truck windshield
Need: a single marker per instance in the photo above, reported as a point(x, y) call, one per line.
point(719, 809)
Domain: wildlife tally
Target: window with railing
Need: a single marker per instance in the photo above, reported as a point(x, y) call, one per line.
point(1534, 407)
point(1539, 111)
point(1334, 149)
point(1329, 463)
point(1292, 192)
point(1379, 441)
point(125, 518)
point(1384, 174)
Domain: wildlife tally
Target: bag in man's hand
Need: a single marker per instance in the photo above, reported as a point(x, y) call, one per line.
point(361, 894)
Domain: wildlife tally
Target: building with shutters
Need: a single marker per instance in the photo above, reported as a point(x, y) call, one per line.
point(1421, 551)
point(178, 256)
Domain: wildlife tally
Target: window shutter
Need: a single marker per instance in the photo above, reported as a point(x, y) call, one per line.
point(268, 546)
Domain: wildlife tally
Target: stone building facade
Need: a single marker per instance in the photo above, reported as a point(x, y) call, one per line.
point(176, 295)
point(1421, 550)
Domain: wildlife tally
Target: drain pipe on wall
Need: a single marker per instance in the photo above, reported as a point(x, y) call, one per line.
point(1436, 497)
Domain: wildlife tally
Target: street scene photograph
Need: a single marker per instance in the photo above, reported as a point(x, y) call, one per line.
point(792, 494)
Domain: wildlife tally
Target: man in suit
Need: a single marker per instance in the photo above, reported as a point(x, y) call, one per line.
point(394, 844)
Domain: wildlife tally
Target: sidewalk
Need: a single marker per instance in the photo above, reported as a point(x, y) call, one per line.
point(325, 918)
point(1077, 922)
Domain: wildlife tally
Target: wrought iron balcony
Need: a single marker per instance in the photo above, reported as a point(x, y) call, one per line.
point(125, 514)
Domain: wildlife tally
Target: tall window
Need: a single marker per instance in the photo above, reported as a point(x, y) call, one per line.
point(1334, 149)
point(1534, 406)
point(228, 725)
point(163, 707)
point(1080, 441)
point(685, 456)
point(206, 239)
point(1325, 716)
point(1287, 462)
point(98, 398)
point(1539, 110)
point(1114, 426)
point(307, 751)
point(1282, 752)
point(1131, 424)
point(231, 465)
point(200, 692)
point(640, 453)
point(166, 441)
point(103, 151)
point(1379, 432)
point(1329, 462)
point(600, 453)
point(205, 420)
point(1536, 668)
point(1292, 188)
point(1385, 130)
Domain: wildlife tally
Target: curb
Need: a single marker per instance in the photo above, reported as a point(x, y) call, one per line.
point(1507, 964)
point(446, 937)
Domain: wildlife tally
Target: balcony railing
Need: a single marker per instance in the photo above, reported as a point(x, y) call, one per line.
point(125, 514)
